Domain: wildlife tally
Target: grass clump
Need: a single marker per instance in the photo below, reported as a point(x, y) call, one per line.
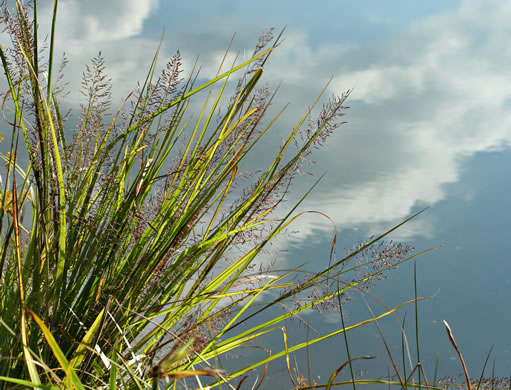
point(128, 246)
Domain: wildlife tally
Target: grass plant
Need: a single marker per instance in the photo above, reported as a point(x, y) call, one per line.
point(128, 245)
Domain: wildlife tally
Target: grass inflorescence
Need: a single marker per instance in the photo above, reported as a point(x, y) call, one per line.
point(128, 242)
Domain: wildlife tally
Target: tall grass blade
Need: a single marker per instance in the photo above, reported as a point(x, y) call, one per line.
point(87, 341)
point(349, 362)
point(460, 356)
point(28, 384)
point(484, 368)
point(72, 381)
point(224, 346)
point(387, 348)
point(345, 334)
point(136, 256)
point(32, 370)
point(403, 358)
point(417, 343)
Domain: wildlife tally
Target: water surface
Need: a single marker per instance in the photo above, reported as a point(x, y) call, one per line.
point(429, 125)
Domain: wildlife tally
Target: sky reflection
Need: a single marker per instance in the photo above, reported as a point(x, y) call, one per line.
point(431, 83)
point(432, 91)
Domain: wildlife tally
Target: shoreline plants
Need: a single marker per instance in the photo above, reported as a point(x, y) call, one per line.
point(128, 245)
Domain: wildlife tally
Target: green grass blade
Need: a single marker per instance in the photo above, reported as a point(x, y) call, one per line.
point(226, 347)
point(346, 344)
point(29, 384)
point(52, 47)
point(31, 367)
point(416, 319)
point(86, 341)
point(72, 378)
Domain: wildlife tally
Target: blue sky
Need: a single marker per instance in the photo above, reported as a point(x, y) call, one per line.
point(361, 22)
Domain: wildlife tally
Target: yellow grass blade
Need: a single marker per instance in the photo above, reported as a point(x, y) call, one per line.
point(72, 380)
point(86, 341)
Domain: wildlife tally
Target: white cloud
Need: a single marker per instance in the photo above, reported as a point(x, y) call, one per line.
point(424, 100)
point(84, 28)
point(116, 19)
point(430, 98)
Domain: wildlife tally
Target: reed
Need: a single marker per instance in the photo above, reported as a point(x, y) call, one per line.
point(127, 245)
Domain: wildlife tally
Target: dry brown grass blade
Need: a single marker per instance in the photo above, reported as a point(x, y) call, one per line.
point(265, 370)
point(287, 356)
point(336, 372)
point(451, 338)
point(184, 373)
point(241, 382)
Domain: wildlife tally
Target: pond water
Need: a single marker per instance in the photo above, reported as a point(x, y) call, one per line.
point(429, 125)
